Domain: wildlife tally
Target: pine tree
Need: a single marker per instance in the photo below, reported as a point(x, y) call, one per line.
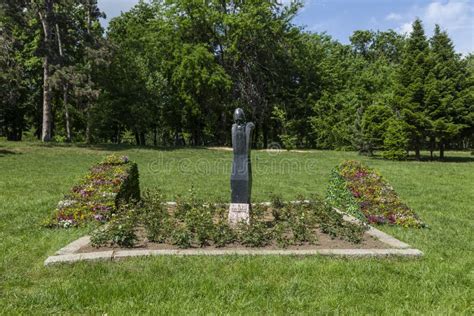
point(396, 140)
point(373, 125)
point(442, 90)
point(410, 90)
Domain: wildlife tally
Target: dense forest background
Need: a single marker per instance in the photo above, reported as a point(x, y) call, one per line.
point(170, 73)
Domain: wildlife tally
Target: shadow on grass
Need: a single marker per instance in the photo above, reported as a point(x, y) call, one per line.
point(114, 147)
point(455, 159)
point(4, 152)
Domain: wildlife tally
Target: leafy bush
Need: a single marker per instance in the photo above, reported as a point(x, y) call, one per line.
point(120, 231)
point(254, 234)
point(193, 223)
point(181, 236)
point(395, 141)
point(99, 194)
point(362, 192)
point(223, 235)
point(154, 216)
point(289, 141)
point(299, 219)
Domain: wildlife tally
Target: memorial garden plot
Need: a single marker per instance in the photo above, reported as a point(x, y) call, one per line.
point(308, 225)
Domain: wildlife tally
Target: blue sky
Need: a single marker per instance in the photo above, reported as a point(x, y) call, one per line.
point(339, 18)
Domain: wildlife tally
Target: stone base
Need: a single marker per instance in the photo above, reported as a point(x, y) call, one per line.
point(239, 212)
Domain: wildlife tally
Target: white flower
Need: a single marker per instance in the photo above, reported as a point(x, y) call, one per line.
point(66, 203)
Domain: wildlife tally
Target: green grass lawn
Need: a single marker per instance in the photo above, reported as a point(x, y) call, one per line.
point(33, 179)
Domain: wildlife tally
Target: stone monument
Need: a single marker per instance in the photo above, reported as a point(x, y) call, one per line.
point(241, 177)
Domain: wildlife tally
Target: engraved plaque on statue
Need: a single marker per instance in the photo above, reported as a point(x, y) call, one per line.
point(239, 212)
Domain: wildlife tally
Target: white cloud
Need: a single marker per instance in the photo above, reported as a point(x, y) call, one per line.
point(405, 28)
point(393, 17)
point(454, 16)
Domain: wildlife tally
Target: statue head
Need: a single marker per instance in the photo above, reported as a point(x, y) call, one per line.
point(239, 116)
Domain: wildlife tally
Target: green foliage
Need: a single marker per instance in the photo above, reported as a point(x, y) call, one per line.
point(223, 234)
point(120, 231)
point(108, 185)
point(154, 215)
point(298, 219)
point(340, 197)
point(171, 73)
point(255, 234)
point(181, 237)
point(128, 137)
point(373, 196)
point(289, 141)
point(395, 142)
point(373, 125)
point(200, 225)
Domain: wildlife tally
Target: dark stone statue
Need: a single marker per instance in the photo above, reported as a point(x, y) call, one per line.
point(241, 177)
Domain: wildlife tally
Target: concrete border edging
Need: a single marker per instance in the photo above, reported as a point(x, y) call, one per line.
point(74, 246)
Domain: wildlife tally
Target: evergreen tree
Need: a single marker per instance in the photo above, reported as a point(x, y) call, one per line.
point(373, 125)
point(411, 89)
point(395, 140)
point(442, 91)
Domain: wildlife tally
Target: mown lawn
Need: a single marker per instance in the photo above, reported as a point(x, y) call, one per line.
point(34, 177)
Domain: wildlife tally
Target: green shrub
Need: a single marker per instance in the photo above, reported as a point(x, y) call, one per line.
point(199, 222)
point(255, 234)
point(289, 141)
point(195, 224)
point(181, 237)
point(120, 231)
point(155, 216)
point(395, 141)
point(223, 234)
point(100, 237)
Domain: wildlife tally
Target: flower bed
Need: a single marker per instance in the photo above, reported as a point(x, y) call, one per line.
point(365, 194)
point(192, 223)
point(99, 194)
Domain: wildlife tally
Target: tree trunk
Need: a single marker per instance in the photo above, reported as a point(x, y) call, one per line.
point(441, 150)
point(142, 139)
point(46, 130)
point(45, 21)
point(89, 81)
point(117, 135)
point(432, 147)
point(65, 88)
point(137, 138)
point(155, 136)
point(88, 125)
point(417, 150)
point(256, 134)
point(265, 136)
point(66, 113)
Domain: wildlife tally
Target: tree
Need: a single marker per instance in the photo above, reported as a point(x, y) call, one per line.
point(410, 88)
point(395, 140)
point(443, 85)
point(373, 126)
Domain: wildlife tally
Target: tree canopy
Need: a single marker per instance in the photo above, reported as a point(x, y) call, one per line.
point(170, 73)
